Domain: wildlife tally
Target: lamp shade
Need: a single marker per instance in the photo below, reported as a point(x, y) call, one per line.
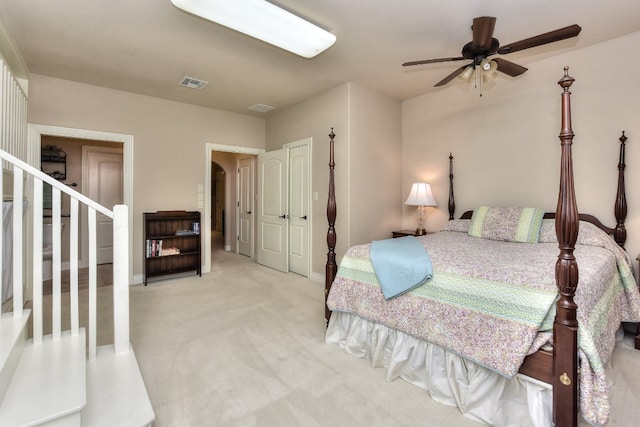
point(421, 195)
point(467, 73)
point(264, 21)
point(489, 69)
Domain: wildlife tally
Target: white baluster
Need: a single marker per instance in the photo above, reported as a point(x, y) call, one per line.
point(17, 240)
point(92, 283)
point(1, 237)
point(73, 266)
point(37, 261)
point(121, 278)
point(56, 297)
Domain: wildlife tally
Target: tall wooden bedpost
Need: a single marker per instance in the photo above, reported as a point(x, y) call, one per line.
point(452, 200)
point(565, 327)
point(620, 210)
point(331, 268)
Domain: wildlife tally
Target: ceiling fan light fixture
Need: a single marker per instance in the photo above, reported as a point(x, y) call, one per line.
point(467, 74)
point(264, 21)
point(489, 69)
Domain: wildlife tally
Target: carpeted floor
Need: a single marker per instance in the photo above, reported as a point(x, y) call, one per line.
point(244, 346)
point(104, 277)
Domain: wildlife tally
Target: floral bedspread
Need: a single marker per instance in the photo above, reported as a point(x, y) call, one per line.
point(493, 302)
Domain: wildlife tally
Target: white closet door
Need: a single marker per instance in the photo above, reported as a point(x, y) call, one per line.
point(272, 233)
point(299, 209)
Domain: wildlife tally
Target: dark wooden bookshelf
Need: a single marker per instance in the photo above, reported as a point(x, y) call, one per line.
point(172, 243)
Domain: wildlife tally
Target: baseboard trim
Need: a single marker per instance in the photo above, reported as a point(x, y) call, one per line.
point(317, 277)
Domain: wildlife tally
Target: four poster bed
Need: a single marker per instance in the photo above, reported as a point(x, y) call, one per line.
point(499, 343)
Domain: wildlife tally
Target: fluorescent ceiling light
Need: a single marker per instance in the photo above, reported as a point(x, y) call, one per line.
point(264, 21)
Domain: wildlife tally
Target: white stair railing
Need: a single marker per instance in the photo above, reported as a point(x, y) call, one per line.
point(34, 180)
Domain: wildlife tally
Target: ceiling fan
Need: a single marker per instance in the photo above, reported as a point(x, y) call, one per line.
point(484, 45)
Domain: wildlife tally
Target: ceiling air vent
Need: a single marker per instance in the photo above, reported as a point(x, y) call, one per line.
point(261, 108)
point(193, 83)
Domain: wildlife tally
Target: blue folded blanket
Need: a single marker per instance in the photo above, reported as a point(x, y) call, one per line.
point(401, 264)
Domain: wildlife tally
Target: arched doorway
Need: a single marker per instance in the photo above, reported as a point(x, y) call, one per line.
point(212, 150)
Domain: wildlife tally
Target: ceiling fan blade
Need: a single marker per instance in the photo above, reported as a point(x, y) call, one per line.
point(432, 61)
point(451, 76)
point(539, 40)
point(482, 32)
point(509, 67)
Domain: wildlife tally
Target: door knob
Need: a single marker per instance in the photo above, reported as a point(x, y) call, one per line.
point(284, 216)
point(303, 217)
point(248, 212)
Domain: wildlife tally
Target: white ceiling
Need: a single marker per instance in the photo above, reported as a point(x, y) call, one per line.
point(148, 46)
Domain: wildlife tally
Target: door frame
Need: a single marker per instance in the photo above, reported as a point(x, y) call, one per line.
point(210, 147)
point(35, 133)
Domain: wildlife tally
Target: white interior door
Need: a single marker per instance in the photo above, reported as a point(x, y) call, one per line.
point(272, 210)
point(245, 206)
point(299, 212)
point(103, 182)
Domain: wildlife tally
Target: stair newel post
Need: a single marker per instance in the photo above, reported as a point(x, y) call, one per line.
point(565, 328)
point(121, 278)
point(331, 268)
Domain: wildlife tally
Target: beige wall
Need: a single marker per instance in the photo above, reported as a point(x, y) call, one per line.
point(375, 165)
point(506, 144)
point(367, 156)
point(169, 139)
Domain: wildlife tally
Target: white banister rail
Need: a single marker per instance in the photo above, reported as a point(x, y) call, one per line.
point(35, 180)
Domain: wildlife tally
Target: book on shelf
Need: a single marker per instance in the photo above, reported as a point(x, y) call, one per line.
point(169, 251)
point(186, 233)
point(154, 248)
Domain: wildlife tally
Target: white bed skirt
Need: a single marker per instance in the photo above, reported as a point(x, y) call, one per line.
point(480, 394)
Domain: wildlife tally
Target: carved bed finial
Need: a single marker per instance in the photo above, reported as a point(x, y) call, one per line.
point(565, 326)
point(567, 210)
point(566, 81)
point(620, 210)
point(452, 201)
point(331, 268)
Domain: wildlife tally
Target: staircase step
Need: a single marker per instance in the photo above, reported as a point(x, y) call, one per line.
point(49, 383)
point(13, 334)
point(116, 395)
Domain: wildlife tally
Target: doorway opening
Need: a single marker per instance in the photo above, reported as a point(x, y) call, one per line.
point(225, 156)
point(218, 202)
point(93, 168)
point(123, 141)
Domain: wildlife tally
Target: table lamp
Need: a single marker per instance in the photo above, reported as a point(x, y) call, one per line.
point(421, 196)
